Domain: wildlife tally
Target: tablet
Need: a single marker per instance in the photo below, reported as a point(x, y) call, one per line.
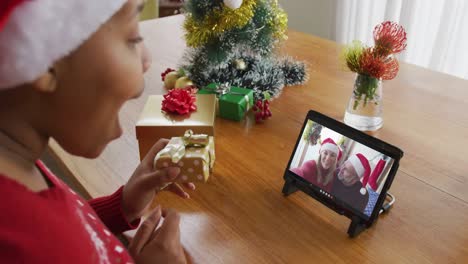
point(343, 168)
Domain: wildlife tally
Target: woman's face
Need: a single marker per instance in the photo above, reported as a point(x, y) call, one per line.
point(328, 158)
point(94, 82)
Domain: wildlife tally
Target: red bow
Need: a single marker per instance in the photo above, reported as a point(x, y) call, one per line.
point(179, 101)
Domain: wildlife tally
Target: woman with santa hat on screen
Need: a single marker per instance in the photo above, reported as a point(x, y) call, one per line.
point(321, 172)
point(66, 69)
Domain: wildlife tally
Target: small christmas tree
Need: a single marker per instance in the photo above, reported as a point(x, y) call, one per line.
point(233, 41)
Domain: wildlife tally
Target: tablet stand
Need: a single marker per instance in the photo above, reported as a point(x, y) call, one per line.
point(289, 186)
point(355, 228)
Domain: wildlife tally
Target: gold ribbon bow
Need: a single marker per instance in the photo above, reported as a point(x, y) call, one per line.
point(176, 147)
point(195, 140)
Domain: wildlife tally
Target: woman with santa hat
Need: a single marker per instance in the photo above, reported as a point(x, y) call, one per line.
point(66, 69)
point(321, 172)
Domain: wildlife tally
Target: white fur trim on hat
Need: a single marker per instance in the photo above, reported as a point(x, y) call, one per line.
point(331, 147)
point(358, 167)
point(40, 32)
point(363, 191)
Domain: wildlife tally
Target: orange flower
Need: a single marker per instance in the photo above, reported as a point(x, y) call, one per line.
point(391, 68)
point(390, 38)
point(371, 64)
point(374, 65)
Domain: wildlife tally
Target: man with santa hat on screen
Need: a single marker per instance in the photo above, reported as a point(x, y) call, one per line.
point(350, 183)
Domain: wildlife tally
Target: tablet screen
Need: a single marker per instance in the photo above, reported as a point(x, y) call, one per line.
point(341, 168)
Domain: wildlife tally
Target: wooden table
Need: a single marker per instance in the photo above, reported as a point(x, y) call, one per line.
point(240, 216)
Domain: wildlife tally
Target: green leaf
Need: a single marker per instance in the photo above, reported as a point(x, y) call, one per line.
point(181, 72)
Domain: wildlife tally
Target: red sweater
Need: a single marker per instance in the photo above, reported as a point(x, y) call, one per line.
point(58, 226)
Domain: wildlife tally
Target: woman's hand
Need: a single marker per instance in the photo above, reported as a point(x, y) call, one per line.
point(162, 245)
point(145, 182)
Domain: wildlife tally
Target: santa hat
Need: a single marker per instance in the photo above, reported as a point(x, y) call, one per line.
point(362, 168)
point(330, 145)
point(34, 34)
point(376, 174)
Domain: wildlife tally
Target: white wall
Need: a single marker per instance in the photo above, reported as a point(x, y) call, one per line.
point(315, 17)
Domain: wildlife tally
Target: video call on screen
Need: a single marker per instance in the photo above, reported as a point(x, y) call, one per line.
point(351, 172)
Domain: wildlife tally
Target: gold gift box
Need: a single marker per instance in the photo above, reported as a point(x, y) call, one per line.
point(155, 124)
point(194, 154)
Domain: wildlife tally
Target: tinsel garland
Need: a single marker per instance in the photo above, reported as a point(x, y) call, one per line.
point(214, 53)
point(221, 19)
point(294, 72)
point(262, 74)
point(200, 8)
point(254, 18)
point(279, 21)
point(256, 36)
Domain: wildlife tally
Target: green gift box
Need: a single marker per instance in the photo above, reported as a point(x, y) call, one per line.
point(233, 102)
